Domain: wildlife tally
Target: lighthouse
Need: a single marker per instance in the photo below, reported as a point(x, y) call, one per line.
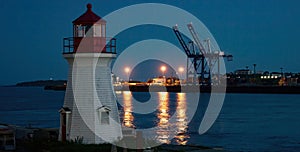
point(89, 112)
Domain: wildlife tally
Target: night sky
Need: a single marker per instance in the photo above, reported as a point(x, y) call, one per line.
point(262, 32)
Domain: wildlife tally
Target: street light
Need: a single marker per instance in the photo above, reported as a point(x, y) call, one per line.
point(281, 70)
point(181, 70)
point(163, 69)
point(127, 71)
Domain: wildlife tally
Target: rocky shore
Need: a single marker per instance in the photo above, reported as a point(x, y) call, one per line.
point(45, 140)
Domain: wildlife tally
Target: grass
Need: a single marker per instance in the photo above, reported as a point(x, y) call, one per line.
point(56, 146)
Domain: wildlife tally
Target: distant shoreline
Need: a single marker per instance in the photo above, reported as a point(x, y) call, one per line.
point(41, 83)
point(60, 85)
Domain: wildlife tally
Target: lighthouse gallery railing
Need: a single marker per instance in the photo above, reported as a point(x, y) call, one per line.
point(70, 47)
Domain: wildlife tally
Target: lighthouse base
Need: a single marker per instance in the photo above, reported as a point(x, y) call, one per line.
point(90, 112)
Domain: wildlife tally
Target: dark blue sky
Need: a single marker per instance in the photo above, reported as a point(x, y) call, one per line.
point(262, 32)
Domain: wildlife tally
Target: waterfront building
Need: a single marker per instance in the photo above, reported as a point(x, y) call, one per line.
point(242, 72)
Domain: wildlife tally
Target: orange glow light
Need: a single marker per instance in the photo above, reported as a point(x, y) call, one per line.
point(127, 69)
point(163, 68)
point(180, 69)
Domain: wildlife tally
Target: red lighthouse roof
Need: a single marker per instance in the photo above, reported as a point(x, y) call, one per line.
point(89, 17)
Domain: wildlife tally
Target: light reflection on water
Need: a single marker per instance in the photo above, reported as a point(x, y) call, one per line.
point(181, 123)
point(163, 118)
point(127, 105)
point(165, 128)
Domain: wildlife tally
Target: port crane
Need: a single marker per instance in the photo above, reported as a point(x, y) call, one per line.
point(202, 58)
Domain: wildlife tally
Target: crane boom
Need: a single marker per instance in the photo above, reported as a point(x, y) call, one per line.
point(181, 41)
point(196, 58)
point(196, 38)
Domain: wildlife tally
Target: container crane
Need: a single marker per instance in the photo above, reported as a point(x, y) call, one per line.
point(203, 59)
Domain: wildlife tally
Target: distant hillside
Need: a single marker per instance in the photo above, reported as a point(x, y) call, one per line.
point(42, 83)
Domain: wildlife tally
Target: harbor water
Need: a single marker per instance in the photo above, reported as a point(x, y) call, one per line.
point(247, 122)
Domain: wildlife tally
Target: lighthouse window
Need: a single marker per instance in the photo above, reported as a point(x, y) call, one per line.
point(80, 30)
point(89, 31)
point(103, 30)
point(103, 115)
point(104, 118)
point(97, 29)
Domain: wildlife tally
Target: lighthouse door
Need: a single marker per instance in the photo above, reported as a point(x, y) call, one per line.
point(64, 116)
point(63, 127)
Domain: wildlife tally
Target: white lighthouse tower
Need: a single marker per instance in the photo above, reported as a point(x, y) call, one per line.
point(90, 110)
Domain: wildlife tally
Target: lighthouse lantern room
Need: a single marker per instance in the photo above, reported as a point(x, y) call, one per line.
point(89, 32)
